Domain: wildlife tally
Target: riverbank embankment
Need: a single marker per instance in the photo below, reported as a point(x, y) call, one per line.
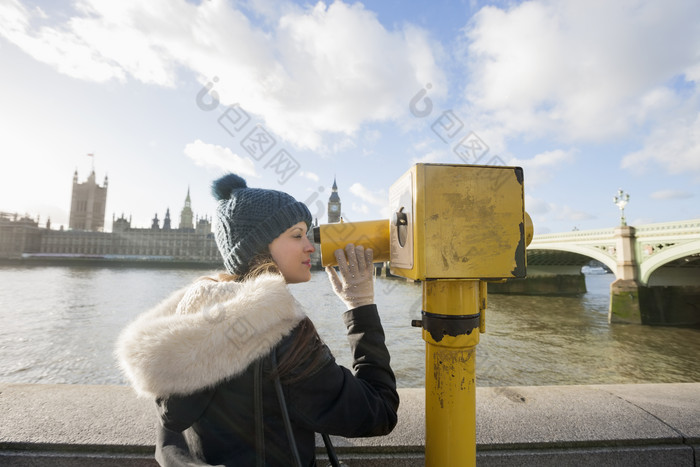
point(611, 425)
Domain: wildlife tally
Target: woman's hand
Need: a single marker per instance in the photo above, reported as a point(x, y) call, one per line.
point(355, 286)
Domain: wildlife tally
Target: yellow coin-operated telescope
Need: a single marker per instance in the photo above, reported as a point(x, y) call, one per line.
point(454, 228)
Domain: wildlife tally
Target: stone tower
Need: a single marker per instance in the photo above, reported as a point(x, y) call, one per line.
point(334, 205)
point(186, 221)
point(166, 221)
point(87, 206)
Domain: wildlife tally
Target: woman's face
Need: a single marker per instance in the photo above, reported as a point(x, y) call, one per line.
point(291, 251)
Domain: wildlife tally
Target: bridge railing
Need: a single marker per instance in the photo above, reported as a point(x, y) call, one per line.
point(662, 229)
point(574, 236)
point(675, 229)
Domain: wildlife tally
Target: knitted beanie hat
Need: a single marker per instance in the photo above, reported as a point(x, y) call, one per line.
point(249, 219)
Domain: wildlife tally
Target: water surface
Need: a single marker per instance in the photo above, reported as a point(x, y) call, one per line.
point(59, 324)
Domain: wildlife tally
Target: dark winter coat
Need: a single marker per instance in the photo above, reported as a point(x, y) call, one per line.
point(196, 354)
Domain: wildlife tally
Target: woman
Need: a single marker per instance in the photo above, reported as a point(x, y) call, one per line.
point(239, 373)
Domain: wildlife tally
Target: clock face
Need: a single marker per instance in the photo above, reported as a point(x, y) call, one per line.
point(334, 208)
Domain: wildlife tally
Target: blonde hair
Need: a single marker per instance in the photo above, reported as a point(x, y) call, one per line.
point(260, 264)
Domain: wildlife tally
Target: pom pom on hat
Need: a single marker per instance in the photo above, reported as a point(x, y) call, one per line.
point(249, 219)
point(222, 188)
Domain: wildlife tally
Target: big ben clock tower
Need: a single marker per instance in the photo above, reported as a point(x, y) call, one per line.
point(334, 205)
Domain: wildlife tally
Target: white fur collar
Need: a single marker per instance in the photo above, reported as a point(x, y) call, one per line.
point(206, 333)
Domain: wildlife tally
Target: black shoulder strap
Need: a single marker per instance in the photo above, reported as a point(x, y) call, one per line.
point(259, 428)
point(258, 411)
point(331, 451)
point(285, 413)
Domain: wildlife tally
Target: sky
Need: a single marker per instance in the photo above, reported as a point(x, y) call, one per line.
point(587, 96)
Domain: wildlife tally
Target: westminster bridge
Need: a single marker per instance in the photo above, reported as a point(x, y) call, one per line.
point(656, 267)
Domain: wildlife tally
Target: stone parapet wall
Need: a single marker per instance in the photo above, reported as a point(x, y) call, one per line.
point(640, 425)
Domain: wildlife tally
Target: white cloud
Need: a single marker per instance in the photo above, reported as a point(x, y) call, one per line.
point(361, 208)
point(307, 71)
point(344, 144)
point(310, 175)
point(579, 71)
point(423, 145)
point(220, 158)
point(376, 198)
point(63, 49)
point(541, 168)
point(545, 213)
point(671, 194)
point(431, 157)
point(544, 159)
point(535, 206)
point(674, 146)
point(372, 135)
point(378, 201)
point(340, 67)
point(567, 213)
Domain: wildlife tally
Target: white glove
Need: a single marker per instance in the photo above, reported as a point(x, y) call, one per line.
point(355, 286)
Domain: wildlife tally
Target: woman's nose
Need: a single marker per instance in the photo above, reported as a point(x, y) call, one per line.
point(309, 246)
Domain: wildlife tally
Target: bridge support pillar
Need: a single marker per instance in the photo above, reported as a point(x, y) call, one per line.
point(624, 292)
point(624, 302)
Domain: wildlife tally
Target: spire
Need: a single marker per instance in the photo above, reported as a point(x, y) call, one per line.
point(334, 198)
point(186, 214)
point(166, 221)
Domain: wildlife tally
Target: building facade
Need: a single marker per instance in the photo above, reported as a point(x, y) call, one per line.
point(129, 245)
point(18, 235)
point(192, 243)
point(21, 238)
point(88, 203)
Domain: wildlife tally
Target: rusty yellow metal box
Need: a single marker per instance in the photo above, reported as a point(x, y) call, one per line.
point(454, 221)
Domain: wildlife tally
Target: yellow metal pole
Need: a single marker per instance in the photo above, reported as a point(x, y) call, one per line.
point(451, 333)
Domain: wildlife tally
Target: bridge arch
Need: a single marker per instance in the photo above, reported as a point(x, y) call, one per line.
point(590, 252)
point(666, 256)
point(656, 267)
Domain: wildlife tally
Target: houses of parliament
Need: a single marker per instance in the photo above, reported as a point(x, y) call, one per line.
point(192, 242)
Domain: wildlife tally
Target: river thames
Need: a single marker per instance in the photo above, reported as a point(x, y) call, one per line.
point(59, 325)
